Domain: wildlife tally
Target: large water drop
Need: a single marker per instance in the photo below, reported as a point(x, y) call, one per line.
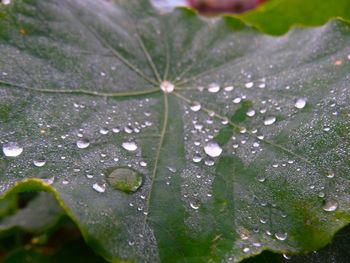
point(300, 103)
point(269, 120)
point(125, 179)
point(330, 205)
point(129, 146)
point(12, 149)
point(83, 143)
point(212, 149)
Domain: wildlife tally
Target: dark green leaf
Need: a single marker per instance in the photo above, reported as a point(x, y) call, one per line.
point(82, 87)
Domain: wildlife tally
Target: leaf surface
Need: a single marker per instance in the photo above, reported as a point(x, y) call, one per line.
point(245, 154)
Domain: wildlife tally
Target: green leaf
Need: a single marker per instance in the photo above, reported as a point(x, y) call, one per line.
point(86, 89)
point(41, 213)
point(276, 17)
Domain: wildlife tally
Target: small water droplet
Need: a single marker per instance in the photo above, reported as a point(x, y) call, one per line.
point(195, 205)
point(83, 143)
point(250, 113)
point(330, 174)
point(281, 235)
point(197, 158)
point(12, 149)
point(287, 256)
point(246, 249)
point(125, 179)
point(209, 162)
point(300, 103)
point(40, 162)
point(143, 164)
point(167, 86)
point(213, 88)
point(249, 85)
point(330, 205)
point(99, 187)
point(195, 106)
point(104, 131)
point(212, 149)
point(116, 130)
point(228, 88)
point(237, 100)
point(269, 120)
point(129, 146)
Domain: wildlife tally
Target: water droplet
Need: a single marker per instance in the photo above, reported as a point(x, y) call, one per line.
point(249, 85)
point(195, 205)
point(246, 249)
point(281, 235)
point(213, 88)
point(129, 146)
point(125, 179)
point(228, 88)
point(196, 106)
point(209, 162)
point(287, 256)
point(172, 169)
point(99, 187)
point(143, 164)
point(237, 100)
point(116, 130)
point(330, 205)
point(39, 162)
point(104, 131)
point(300, 103)
point(12, 149)
point(197, 158)
point(212, 149)
point(269, 120)
point(250, 113)
point(167, 86)
point(330, 174)
point(83, 143)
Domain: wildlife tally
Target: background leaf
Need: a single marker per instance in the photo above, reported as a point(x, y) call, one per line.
point(246, 154)
point(276, 17)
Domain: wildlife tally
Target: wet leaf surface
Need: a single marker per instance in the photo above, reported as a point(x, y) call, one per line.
point(241, 140)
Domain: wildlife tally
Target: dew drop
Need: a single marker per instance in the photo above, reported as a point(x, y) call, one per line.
point(12, 149)
point(330, 174)
point(39, 162)
point(104, 131)
point(249, 85)
point(246, 249)
point(237, 100)
point(99, 187)
point(228, 88)
point(83, 143)
point(125, 179)
point(195, 205)
point(250, 113)
point(281, 235)
point(197, 158)
point(213, 88)
point(116, 130)
point(143, 164)
point(300, 103)
point(287, 256)
point(212, 149)
point(330, 205)
point(195, 106)
point(129, 146)
point(167, 86)
point(209, 162)
point(269, 120)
